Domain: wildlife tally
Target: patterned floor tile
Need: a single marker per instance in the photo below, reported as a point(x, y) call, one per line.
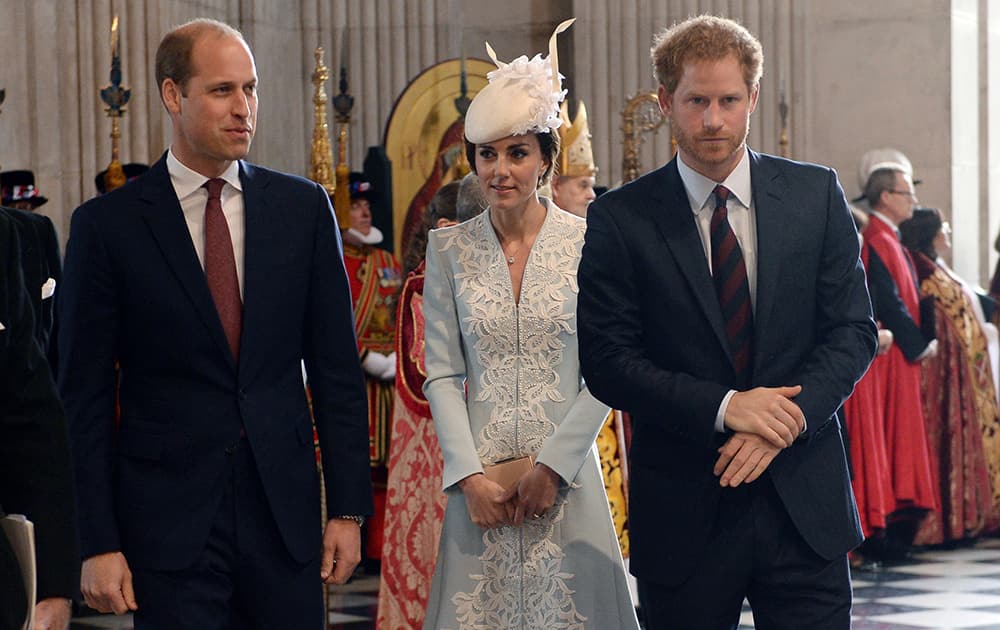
point(945, 599)
point(938, 589)
point(940, 619)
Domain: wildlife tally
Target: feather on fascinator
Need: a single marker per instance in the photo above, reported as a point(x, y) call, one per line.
point(521, 97)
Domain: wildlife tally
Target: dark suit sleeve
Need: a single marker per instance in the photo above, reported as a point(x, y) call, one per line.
point(35, 471)
point(87, 316)
point(890, 310)
point(613, 355)
point(335, 377)
point(845, 334)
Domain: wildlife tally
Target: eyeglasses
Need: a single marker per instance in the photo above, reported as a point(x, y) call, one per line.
point(908, 193)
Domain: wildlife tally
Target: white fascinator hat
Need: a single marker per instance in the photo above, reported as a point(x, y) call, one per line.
point(521, 97)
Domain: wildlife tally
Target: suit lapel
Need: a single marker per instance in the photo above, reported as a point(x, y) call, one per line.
point(671, 211)
point(769, 193)
point(259, 232)
point(162, 213)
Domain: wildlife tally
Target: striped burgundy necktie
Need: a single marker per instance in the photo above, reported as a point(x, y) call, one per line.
point(220, 267)
point(729, 271)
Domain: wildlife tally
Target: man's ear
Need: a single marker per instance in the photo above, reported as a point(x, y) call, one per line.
point(883, 198)
point(664, 100)
point(171, 95)
point(754, 93)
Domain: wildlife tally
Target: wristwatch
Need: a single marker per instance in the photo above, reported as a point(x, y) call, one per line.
point(360, 520)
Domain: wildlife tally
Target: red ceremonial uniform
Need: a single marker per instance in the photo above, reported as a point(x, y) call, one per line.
point(375, 280)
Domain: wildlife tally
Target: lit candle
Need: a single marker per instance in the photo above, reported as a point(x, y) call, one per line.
point(343, 60)
point(114, 38)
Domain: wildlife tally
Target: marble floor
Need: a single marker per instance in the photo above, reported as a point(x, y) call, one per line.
point(940, 590)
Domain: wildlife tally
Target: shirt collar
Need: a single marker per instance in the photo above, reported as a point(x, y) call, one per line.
point(187, 181)
point(699, 188)
point(886, 220)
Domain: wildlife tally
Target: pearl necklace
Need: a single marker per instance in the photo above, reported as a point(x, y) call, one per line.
point(510, 260)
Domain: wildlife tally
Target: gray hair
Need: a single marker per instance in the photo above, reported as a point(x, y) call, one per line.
point(879, 181)
point(471, 200)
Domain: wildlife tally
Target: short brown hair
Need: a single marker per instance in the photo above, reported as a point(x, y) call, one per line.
point(705, 38)
point(173, 57)
point(549, 143)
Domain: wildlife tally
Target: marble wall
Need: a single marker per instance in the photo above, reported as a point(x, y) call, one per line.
point(915, 74)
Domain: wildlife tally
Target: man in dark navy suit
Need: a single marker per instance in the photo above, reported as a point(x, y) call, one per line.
point(35, 471)
point(723, 304)
point(210, 280)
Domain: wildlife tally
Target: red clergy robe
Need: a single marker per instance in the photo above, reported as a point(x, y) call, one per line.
point(905, 432)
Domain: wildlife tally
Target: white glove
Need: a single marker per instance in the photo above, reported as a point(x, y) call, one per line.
point(376, 363)
point(390, 372)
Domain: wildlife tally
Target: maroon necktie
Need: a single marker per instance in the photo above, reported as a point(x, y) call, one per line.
point(220, 267)
point(729, 271)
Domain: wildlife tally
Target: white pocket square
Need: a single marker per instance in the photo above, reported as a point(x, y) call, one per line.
point(49, 288)
point(2, 327)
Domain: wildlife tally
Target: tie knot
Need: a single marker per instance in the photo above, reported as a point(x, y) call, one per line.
point(214, 187)
point(721, 195)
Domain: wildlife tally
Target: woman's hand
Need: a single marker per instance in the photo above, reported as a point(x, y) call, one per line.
point(483, 498)
point(533, 494)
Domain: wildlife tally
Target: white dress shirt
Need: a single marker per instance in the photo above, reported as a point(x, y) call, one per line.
point(188, 185)
point(742, 218)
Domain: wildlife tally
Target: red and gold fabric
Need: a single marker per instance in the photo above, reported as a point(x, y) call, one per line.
point(414, 501)
point(614, 469)
point(961, 413)
point(375, 280)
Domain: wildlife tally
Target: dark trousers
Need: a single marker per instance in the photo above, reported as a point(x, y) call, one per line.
point(244, 579)
point(755, 552)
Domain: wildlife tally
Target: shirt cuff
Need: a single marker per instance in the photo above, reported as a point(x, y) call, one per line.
point(931, 347)
point(720, 416)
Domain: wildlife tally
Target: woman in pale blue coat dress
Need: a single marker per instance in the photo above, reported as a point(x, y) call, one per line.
point(500, 305)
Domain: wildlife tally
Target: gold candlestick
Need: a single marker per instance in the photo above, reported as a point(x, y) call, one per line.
point(3, 95)
point(115, 96)
point(783, 112)
point(343, 103)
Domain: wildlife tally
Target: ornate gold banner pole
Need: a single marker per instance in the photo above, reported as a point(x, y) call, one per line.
point(321, 160)
point(343, 103)
point(115, 97)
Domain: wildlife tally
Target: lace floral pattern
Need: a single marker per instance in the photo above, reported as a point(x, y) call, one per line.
point(522, 584)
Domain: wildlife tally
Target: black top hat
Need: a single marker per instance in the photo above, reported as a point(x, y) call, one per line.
point(20, 186)
point(132, 170)
point(361, 188)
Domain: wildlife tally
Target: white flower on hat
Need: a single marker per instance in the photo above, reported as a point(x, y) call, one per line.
point(522, 96)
